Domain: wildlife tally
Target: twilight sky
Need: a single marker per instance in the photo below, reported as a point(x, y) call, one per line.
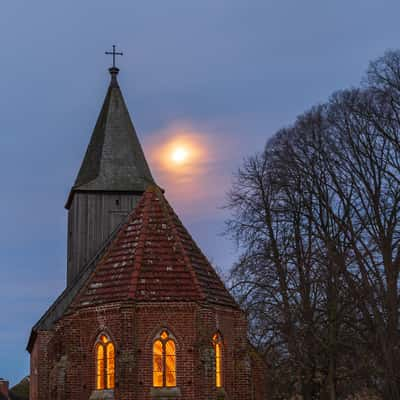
point(223, 74)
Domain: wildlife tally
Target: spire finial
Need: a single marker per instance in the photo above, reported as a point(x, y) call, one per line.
point(114, 70)
point(114, 53)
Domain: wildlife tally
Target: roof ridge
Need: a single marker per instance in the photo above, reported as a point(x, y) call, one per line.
point(200, 251)
point(118, 232)
point(167, 209)
point(100, 122)
point(109, 94)
point(203, 256)
point(139, 255)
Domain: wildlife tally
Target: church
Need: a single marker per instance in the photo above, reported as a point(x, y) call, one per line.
point(144, 315)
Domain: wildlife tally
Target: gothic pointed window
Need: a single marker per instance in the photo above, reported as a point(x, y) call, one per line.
point(105, 363)
point(217, 343)
point(164, 360)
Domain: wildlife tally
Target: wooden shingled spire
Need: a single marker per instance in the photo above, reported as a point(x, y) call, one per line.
point(114, 159)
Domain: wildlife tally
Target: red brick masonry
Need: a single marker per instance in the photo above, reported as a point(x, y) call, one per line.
point(152, 277)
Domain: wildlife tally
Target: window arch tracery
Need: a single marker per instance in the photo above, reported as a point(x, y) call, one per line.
point(164, 360)
point(105, 363)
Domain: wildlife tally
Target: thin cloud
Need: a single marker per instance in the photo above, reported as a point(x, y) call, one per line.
point(196, 184)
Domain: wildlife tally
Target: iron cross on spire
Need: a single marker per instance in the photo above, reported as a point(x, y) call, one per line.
point(113, 53)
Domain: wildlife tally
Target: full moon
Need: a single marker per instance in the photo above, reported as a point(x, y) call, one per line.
point(179, 155)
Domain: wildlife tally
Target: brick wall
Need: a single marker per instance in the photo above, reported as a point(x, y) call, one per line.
point(4, 388)
point(63, 362)
point(41, 361)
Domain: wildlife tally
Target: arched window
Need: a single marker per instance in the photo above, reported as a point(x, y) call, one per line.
point(217, 343)
point(164, 361)
point(105, 363)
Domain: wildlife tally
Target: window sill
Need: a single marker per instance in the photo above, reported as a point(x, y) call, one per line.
point(165, 393)
point(107, 394)
point(221, 394)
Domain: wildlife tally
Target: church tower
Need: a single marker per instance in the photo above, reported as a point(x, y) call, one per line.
point(113, 175)
point(144, 314)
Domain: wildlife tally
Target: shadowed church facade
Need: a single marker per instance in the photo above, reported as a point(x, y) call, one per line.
point(144, 315)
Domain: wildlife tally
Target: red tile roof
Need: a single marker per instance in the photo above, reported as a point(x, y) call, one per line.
point(153, 258)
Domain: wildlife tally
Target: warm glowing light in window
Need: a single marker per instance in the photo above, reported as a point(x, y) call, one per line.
point(105, 364)
point(218, 359)
point(158, 365)
point(110, 366)
point(100, 367)
point(164, 361)
point(170, 375)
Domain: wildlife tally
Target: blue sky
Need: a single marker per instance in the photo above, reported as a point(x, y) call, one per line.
point(229, 72)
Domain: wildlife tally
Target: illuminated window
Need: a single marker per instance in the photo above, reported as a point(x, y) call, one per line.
point(217, 343)
point(164, 361)
point(105, 364)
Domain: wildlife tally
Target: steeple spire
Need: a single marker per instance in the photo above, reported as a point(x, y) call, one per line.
point(113, 176)
point(114, 159)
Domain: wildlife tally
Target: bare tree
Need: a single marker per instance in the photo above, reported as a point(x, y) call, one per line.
point(316, 215)
point(368, 160)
